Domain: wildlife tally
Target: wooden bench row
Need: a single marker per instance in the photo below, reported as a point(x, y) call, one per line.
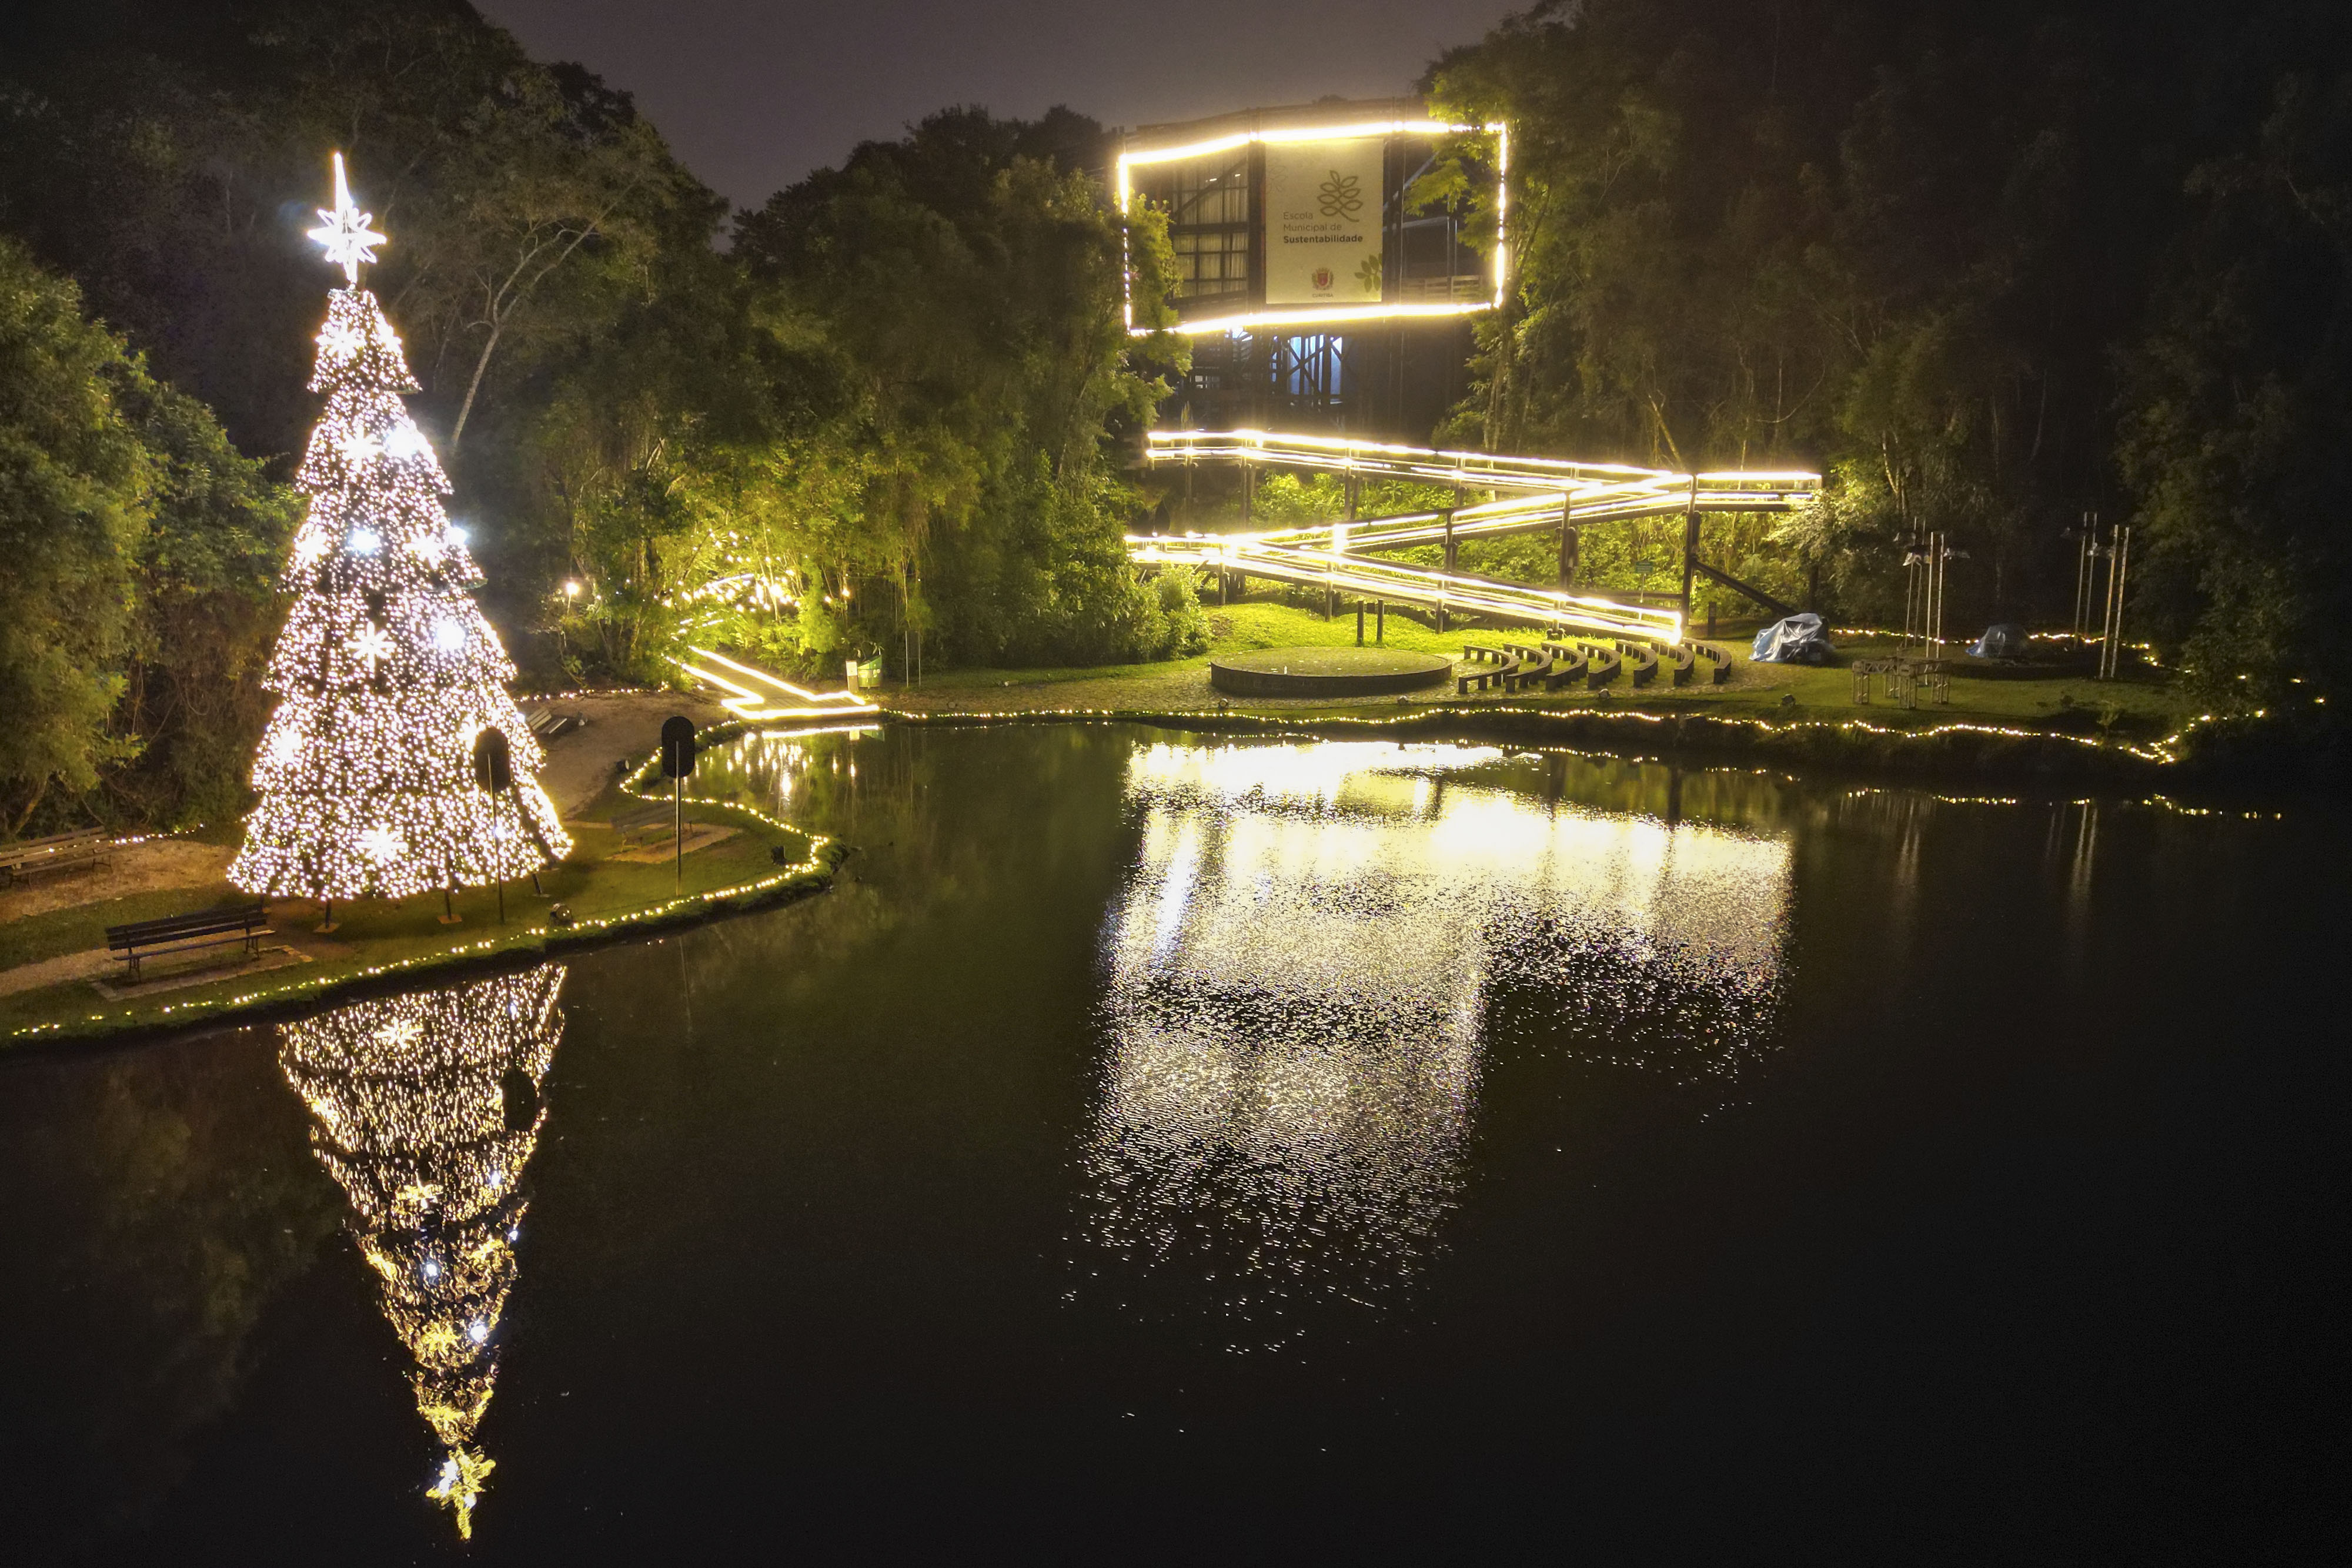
point(1514, 667)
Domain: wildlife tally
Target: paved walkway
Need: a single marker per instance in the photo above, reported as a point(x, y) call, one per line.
point(628, 727)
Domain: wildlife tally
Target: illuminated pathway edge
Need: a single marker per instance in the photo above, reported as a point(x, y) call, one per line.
point(1535, 495)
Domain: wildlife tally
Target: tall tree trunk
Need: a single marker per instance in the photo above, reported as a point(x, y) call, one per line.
point(480, 365)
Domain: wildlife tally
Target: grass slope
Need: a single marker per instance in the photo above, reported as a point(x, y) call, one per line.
point(2141, 707)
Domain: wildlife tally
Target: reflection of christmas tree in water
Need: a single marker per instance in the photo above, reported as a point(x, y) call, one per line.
point(427, 1107)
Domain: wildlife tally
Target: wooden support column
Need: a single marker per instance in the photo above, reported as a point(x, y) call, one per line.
point(1690, 552)
point(1570, 544)
point(1448, 517)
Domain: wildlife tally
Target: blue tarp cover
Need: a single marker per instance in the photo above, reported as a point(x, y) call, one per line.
point(2001, 640)
point(1798, 640)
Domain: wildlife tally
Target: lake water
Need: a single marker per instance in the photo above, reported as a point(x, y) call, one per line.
point(1161, 1147)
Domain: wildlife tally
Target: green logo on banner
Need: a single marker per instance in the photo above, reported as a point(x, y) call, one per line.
point(1338, 197)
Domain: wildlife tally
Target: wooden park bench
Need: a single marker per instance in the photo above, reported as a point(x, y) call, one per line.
point(1464, 682)
point(245, 923)
point(1681, 659)
point(547, 724)
point(1640, 662)
point(1599, 669)
point(1717, 657)
point(1567, 664)
point(56, 852)
point(660, 815)
point(1533, 665)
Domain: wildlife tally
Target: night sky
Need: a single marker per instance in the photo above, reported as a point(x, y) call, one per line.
point(754, 94)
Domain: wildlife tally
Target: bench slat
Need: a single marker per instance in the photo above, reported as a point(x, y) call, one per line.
point(169, 927)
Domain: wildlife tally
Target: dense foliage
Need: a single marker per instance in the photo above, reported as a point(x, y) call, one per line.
point(887, 414)
point(1991, 264)
point(141, 552)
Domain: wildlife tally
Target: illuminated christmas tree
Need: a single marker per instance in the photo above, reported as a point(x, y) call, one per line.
point(387, 669)
point(426, 1108)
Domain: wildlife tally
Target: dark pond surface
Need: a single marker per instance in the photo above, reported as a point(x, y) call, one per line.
point(1175, 1149)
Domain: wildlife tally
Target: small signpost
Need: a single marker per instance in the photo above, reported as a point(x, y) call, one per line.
point(677, 761)
point(494, 772)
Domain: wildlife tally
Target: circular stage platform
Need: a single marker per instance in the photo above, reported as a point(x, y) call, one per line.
point(1326, 672)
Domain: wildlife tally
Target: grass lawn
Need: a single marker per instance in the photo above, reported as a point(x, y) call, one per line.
point(372, 934)
point(2143, 705)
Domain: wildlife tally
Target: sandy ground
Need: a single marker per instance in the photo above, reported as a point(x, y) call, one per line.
point(154, 867)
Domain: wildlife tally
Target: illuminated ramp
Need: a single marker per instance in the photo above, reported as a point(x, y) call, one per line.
point(1532, 495)
point(762, 696)
point(1397, 582)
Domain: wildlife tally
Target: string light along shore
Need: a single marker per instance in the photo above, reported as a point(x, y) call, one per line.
point(387, 671)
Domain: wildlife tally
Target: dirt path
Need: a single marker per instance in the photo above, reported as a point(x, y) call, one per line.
point(157, 867)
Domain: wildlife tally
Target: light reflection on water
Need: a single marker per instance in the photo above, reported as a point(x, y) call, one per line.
point(426, 1108)
point(1300, 973)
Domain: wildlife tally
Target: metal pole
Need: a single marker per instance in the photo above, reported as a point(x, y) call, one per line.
point(2123, 572)
point(1941, 563)
point(677, 815)
point(2106, 619)
point(2091, 553)
point(2084, 553)
point(1944, 579)
point(2111, 632)
point(1907, 599)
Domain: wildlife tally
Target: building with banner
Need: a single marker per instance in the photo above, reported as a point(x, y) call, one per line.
point(1319, 291)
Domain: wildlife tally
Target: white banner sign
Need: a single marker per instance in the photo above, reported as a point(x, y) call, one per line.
point(1323, 222)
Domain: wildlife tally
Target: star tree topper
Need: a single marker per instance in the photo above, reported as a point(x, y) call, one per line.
point(345, 232)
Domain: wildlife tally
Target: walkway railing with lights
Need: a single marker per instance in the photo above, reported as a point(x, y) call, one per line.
point(1479, 470)
point(1398, 582)
point(757, 696)
point(1546, 493)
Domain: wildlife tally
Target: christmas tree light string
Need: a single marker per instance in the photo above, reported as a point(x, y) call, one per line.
point(386, 670)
